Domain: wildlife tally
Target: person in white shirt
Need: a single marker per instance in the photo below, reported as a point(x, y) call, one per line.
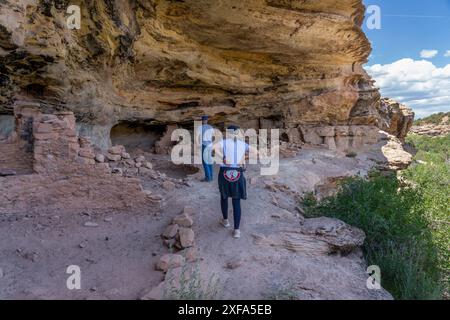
point(231, 179)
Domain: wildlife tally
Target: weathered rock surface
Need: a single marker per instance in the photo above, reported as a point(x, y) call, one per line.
point(183, 220)
point(438, 129)
point(259, 63)
point(396, 118)
point(389, 153)
point(340, 236)
point(186, 237)
point(169, 261)
point(191, 254)
point(432, 130)
point(170, 232)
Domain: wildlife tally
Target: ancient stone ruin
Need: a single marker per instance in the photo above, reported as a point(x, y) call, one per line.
point(45, 163)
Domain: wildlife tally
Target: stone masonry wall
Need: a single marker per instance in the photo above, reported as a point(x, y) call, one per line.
point(66, 176)
point(341, 138)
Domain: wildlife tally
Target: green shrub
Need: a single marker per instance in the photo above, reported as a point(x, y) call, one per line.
point(189, 285)
point(432, 178)
point(433, 119)
point(398, 234)
point(407, 225)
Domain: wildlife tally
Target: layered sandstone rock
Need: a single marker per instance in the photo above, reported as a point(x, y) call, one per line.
point(396, 118)
point(437, 129)
point(259, 63)
point(433, 130)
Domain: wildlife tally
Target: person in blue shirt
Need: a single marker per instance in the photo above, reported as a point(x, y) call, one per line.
point(207, 133)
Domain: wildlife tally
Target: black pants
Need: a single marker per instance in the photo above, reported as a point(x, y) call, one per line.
point(236, 210)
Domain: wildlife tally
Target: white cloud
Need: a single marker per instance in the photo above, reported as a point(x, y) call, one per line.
point(447, 54)
point(419, 84)
point(428, 54)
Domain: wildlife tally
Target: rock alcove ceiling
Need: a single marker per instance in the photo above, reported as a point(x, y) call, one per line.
point(258, 63)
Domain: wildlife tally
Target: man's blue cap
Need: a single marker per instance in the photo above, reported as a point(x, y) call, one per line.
point(205, 118)
point(233, 127)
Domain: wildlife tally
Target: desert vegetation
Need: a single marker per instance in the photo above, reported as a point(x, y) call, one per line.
point(436, 118)
point(406, 220)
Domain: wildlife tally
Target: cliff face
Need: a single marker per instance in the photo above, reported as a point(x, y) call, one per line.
point(396, 118)
point(260, 63)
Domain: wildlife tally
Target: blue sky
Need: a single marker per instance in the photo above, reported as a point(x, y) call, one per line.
point(411, 53)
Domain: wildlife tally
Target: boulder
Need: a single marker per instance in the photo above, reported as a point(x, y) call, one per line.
point(86, 153)
point(113, 157)
point(171, 231)
point(395, 118)
point(188, 210)
point(191, 254)
point(148, 165)
point(169, 261)
point(168, 185)
point(88, 161)
point(340, 236)
point(125, 155)
point(186, 237)
point(183, 220)
point(117, 150)
point(100, 158)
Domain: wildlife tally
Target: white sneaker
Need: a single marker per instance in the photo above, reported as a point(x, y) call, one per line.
point(225, 223)
point(237, 233)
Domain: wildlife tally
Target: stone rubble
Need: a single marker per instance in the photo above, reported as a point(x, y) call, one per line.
point(177, 236)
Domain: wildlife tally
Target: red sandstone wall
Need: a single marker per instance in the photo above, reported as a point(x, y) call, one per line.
point(65, 177)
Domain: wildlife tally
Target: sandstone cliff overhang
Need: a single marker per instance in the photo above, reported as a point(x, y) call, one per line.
point(253, 62)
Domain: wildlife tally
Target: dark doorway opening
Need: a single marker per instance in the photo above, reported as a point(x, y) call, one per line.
point(136, 135)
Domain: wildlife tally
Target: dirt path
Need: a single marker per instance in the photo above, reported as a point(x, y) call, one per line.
point(249, 269)
point(272, 259)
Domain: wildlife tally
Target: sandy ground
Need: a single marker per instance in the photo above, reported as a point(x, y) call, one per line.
point(117, 257)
